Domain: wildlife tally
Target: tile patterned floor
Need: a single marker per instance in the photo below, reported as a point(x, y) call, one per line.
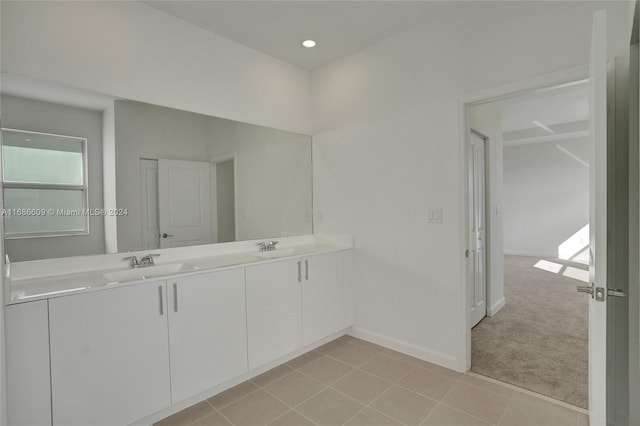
point(352, 382)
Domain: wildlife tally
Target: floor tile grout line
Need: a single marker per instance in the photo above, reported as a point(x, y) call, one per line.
point(293, 407)
point(292, 411)
point(401, 358)
point(324, 387)
point(370, 406)
point(397, 384)
point(511, 399)
point(328, 384)
point(441, 401)
point(354, 416)
point(202, 417)
point(224, 417)
point(289, 407)
point(236, 400)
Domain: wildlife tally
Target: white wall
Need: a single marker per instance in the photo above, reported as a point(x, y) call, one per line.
point(487, 119)
point(130, 50)
point(273, 178)
point(546, 195)
point(386, 148)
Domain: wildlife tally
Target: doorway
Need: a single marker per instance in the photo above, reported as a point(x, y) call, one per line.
point(529, 325)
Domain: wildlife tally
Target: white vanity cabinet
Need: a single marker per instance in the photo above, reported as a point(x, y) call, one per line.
point(292, 303)
point(274, 311)
point(109, 356)
point(207, 331)
point(27, 358)
point(122, 354)
point(323, 310)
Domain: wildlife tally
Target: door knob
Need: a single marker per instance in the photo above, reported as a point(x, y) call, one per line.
point(165, 235)
point(616, 293)
point(585, 289)
point(595, 292)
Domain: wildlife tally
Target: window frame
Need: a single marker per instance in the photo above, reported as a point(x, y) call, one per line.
point(32, 185)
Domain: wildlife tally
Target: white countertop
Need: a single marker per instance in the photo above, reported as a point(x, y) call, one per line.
point(45, 287)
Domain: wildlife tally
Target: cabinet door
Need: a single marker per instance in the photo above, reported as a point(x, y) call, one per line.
point(28, 374)
point(207, 330)
point(274, 318)
point(322, 296)
point(109, 355)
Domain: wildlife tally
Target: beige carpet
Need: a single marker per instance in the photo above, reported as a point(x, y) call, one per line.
point(538, 341)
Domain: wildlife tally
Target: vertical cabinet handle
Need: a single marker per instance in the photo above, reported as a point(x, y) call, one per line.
point(175, 297)
point(161, 301)
point(299, 271)
point(306, 269)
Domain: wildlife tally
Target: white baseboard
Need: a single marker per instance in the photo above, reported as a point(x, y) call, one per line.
point(530, 254)
point(495, 308)
point(407, 348)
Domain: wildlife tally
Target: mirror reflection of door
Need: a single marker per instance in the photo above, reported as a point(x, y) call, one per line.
point(180, 203)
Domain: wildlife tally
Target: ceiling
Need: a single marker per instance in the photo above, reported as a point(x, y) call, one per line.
point(563, 111)
point(277, 28)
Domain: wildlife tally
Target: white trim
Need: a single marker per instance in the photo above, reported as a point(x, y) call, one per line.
point(541, 82)
point(492, 310)
point(407, 348)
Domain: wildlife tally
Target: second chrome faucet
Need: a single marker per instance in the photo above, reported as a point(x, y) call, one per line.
point(145, 261)
point(262, 246)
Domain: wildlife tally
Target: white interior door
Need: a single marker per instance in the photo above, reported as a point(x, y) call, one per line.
point(477, 229)
point(184, 203)
point(598, 221)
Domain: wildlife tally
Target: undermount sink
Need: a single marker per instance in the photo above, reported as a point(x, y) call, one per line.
point(274, 254)
point(148, 272)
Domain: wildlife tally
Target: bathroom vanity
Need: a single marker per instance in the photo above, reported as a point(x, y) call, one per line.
point(117, 346)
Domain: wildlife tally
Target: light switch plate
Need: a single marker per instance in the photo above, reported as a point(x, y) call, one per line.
point(434, 215)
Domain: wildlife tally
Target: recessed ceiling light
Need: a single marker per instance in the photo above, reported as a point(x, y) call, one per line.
point(309, 43)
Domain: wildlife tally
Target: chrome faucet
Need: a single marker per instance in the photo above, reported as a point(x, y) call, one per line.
point(148, 260)
point(262, 246)
point(272, 245)
point(134, 261)
point(145, 261)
